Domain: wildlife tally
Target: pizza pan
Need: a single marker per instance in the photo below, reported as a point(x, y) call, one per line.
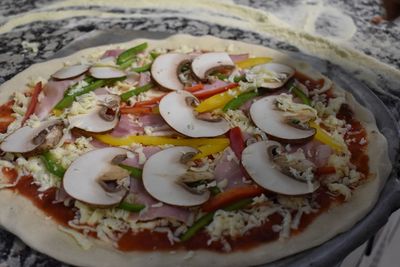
point(333, 251)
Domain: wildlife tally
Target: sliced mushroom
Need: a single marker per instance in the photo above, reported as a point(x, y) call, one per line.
point(70, 72)
point(102, 118)
point(28, 139)
point(206, 63)
point(161, 174)
point(165, 70)
point(106, 72)
point(262, 169)
point(270, 75)
point(93, 178)
point(273, 122)
point(180, 115)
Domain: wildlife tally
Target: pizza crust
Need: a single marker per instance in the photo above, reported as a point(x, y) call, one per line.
point(44, 235)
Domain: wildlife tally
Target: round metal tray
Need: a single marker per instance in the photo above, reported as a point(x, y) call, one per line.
point(333, 251)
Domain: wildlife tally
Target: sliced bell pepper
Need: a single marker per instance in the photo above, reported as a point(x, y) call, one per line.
point(232, 195)
point(239, 101)
point(217, 101)
point(325, 170)
point(195, 87)
point(150, 102)
point(300, 94)
point(6, 115)
point(207, 146)
point(137, 110)
point(324, 137)
point(237, 141)
point(135, 172)
point(34, 100)
point(208, 217)
point(130, 53)
point(137, 91)
point(251, 62)
point(208, 93)
point(131, 207)
point(142, 68)
point(52, 165)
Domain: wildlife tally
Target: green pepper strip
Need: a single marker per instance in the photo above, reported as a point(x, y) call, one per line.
point(215, 190)
point(142, 69)
point(240, 78)
point(125, 96)
point(154, 54)
point(239, 101)
point(132, 207)
point(51, 164)
point(130, 53)
point(135, 172)
point(70, 95)
point(127, 63)
point(300, 94)
point(207, 218)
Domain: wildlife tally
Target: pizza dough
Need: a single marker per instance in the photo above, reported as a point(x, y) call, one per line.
point(20, 217)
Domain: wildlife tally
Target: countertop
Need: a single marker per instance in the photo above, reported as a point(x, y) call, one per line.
point(345, 23)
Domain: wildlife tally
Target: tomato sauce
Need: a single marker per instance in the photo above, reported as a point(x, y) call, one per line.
point(5, 116)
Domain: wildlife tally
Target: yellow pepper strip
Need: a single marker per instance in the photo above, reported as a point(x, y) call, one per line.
point(207, 146)
point(324, 137)
point(206, 150)
point(218, 100)
point(251, 62)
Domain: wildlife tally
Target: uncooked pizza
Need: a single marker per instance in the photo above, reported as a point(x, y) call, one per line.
point(184, 151)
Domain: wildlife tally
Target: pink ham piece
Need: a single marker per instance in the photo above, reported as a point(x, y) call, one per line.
point(144, 78)
point(127, 125)
point(148, 151)
point(112, 53)
point(152, 212)
point(228, 167)
point(238, 58)
point(53, 92)
point(152, 120)
point(315, 151)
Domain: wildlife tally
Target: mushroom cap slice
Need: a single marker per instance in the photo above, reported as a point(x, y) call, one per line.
point(204, 64)
point(97, 120)
point(82, 179)
point(271, 120)
point(106, 72)
point(22, 140)
point(263, 171)
point(69, 72)
point(160, 178)
point(273, 75)
point(176, 111)
point(165, 70)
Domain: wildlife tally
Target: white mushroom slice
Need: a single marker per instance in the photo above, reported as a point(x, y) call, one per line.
point(204, 64)
point(85, 177)
point(102, 118)
point(106, 72)
point(271, 120)
point(161, 174)
point(70, 72)
point(176, 110)
point(270, 75)
point(165, 70)
point(27, 139)
point(263, 171)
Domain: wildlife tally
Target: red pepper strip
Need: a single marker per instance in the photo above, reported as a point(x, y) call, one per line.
point(195, 88)
point(150, 102)
point(136, 110)
point(325, 170)
point(237, 141)
point(232, 195)
point(207, 93)
point(34, 101)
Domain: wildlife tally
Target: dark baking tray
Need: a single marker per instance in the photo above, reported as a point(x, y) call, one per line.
point(333, 251)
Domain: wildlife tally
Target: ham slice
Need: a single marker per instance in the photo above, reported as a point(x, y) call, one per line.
point(315, 151)
point(53, 92)
point(228, 167)
point(238, 58)
point(127, 125)
point(144, 78)
point(112, 53)
point(144, 152)
point(153, 208)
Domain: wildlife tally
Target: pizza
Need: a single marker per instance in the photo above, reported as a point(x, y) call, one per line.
point(184, 151)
